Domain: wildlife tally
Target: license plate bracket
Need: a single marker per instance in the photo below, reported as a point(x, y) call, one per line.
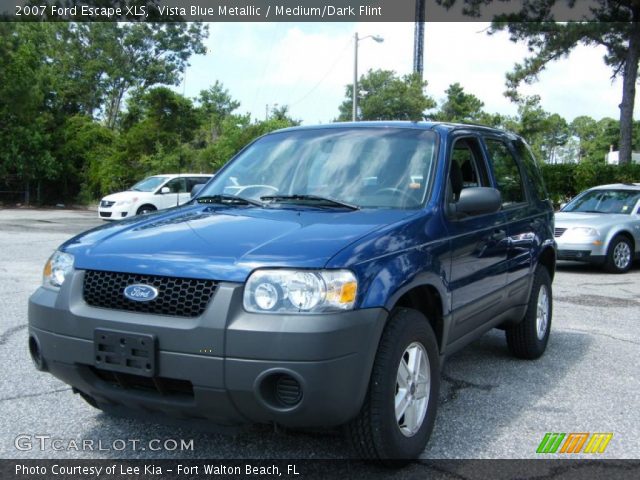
point(133, 353)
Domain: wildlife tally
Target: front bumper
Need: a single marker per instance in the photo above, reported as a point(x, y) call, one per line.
point(223, 366)
point(581, 251)
point(113, 213)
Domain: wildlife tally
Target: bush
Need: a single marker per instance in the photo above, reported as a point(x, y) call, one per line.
point(560, 181)
point(565, 181)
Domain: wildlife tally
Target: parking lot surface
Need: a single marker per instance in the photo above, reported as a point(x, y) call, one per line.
point(491, 405)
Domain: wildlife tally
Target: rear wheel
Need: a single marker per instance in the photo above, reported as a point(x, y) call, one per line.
point(528, 339)
point(146, 209)
point(619, 255)
point(399, 411)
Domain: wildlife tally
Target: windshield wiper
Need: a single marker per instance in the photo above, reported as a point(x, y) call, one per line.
point(227, 199)
point(329, 202)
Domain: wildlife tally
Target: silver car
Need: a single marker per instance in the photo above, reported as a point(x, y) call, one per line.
point(601, 226)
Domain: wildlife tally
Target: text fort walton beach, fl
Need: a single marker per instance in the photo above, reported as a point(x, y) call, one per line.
point(325, 11)
point(121, 469)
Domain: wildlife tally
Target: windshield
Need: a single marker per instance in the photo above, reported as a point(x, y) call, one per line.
point(149, 184)
point(604, 201)
point(357, 167)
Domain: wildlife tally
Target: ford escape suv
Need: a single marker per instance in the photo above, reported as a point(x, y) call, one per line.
point(320, 279)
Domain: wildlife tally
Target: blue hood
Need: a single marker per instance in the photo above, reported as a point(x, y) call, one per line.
point(222, 243)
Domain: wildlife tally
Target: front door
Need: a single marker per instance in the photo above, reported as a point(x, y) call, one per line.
point(479, 245)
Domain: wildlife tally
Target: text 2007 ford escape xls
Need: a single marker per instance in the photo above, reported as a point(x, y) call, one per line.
point(320, 279)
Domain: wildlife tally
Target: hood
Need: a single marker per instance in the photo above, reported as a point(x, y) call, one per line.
point(116, 197)
point(223, 243)
point(586, 219)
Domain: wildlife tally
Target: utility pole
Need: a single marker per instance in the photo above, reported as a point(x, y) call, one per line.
point(356, 40)
point(354, 106)
point(418, 38)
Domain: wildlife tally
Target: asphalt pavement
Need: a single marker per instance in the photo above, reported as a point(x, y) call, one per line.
point(491, 405)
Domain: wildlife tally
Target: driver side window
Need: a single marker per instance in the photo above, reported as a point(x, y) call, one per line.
point(466, 168)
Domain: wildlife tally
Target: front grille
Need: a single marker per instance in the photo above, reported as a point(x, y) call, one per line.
point(179, 297)
point(105, 214)
point(106, 204)
point(161, 385)
point(558, 232)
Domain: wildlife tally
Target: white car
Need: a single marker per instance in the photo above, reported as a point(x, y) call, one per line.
point(151, 194)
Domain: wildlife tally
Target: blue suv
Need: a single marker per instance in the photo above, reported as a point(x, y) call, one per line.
point(320, 279)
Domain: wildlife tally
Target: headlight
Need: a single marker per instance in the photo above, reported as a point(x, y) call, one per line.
point(58, 267)
point(300, 291)
point(585, 232)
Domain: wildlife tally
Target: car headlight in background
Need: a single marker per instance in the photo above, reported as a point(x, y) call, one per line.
point(584, 232)
point(58, 267)
point(300, 291)
point(121, 203)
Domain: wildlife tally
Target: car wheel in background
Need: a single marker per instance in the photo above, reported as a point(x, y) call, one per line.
point(146, 209)
point(397, 417)
point(619, 255)
point(528, 339)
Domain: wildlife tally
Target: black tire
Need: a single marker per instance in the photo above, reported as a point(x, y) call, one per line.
point(89, 399)
point(375, 434)
point(146, 209)
point(619, 255)
point(523, 339)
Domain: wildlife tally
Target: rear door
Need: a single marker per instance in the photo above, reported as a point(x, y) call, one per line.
point(478, 244)
point(523, 218)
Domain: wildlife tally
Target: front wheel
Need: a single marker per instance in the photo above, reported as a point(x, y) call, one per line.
point(144, 209)
point(619, 255)
point(397, 417)
point(528, 339)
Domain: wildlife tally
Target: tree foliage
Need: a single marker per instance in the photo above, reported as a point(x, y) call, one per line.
point(460, 107)
point(614, 25)
point(386, 96)
point(66, 133)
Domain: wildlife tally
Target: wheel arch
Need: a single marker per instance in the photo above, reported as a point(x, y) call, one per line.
point(146, 204)
point(428, 300)
point(547, 259)
point(624, 233)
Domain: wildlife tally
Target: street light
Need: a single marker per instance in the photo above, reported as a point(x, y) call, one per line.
point(375, 38)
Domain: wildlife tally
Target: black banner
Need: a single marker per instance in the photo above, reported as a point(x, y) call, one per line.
point(307, 10)
point(311, 469)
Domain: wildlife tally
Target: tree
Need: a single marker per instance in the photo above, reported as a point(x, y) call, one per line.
point(542, 130)
point(26, 121)
point(388, 97)
point(459, 106)
point(281, 114)
point(216, 101)
point(614, 25)
point(141, 55)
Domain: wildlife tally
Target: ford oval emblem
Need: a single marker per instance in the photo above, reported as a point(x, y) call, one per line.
point(140, 292)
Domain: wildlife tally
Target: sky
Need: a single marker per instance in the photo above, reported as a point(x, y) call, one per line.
point(308, 65)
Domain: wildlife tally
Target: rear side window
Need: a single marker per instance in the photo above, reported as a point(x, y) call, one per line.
point(531, 167)
point(193, 181)
point(507, 173)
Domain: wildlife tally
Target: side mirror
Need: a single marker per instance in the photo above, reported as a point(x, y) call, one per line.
point(562, 205)
point(164, 190)
point(478, 201)
point(196, 189)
